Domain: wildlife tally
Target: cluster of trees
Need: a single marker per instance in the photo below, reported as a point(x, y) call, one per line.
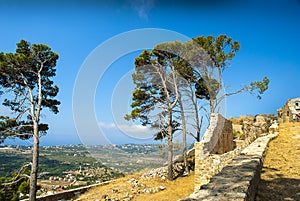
point(175, 81)
point(12, 190)
point(27, 88)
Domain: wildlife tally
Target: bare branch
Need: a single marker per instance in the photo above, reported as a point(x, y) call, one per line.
point(16, 179)
point(12, 182)
point(32, 108)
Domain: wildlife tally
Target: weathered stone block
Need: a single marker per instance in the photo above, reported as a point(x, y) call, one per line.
point(218, 138)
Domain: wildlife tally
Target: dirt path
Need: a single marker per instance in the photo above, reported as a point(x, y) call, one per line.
point(280, 178)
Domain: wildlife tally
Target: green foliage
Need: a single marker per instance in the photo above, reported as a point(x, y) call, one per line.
point(163, 130)
point(53, 161)
point(24, 187)
point(221, 49)
point(6, 127)
point(9, 162)
point(207, 88)
point(9, 192)
point(194, 61)
point(162, 74)
point(238, 135)
point(150, 70)
point(21, 74)
point(208, 79)
point(199, 62)
point(15, 197)
point(26, 77)
point(218, 52)
point(261, 86)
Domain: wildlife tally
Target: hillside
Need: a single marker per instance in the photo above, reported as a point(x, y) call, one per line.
point(135, 188)
point(71, 166)
point(280, 178)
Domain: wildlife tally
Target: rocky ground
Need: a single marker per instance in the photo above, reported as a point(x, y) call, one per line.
point(280, 178)
point(146, 187)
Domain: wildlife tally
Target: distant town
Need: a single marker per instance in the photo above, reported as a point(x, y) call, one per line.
point(72, 166)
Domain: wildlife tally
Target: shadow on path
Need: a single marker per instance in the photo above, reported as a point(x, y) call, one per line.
point(278, 189)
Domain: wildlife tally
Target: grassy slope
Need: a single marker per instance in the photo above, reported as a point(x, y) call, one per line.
point(179, 188)
point(280, 179)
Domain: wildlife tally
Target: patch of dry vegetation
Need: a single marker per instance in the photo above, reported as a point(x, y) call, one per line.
point(241, 119)
point(240, 135)
point(175, 190)
point(135, 188)
point(280, 179)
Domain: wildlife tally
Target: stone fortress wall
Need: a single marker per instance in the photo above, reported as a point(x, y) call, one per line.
point(214, 150)
point(225, 169)
point(290, 112)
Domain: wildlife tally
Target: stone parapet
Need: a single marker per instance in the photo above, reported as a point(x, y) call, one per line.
point(68, 194)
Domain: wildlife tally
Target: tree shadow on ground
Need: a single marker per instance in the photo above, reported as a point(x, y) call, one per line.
point(278, 189)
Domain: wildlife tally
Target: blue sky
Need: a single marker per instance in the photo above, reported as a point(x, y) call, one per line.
point(268, 32)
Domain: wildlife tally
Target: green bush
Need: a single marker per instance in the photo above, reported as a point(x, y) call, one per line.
point(24, 187)
point(15, 197)
point(238, 135)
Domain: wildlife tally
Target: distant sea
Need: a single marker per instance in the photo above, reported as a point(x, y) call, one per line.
point(57, 142)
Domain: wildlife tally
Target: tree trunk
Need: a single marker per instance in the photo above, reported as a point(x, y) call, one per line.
point(186, 171)
point(212, 106)
point(199, 129)
point(198, 124)
point(170, 146)
point(34, 166)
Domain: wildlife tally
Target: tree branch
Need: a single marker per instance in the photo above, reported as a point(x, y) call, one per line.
point(32, 108)
point(20, 173)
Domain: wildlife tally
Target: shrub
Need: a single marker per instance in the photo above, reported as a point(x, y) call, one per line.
point(24, 187)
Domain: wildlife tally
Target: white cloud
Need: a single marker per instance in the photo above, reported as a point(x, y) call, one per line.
point(131, 129)
point(106, 125)
point(142, 7)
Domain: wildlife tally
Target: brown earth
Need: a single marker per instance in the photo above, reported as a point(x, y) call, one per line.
point(280, 178)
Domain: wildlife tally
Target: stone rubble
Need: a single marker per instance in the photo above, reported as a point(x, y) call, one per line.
point(178, 167)
point(129, 189)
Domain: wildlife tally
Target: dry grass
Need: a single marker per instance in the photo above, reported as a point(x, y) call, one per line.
point(174, 190)
point(239, 120)
point(96, 193)
point(280, 179)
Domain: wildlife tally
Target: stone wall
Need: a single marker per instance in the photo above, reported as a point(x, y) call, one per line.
point(208, 167)
point(253, 127)
point(69, 194)
point(218, 139)
point(290, 112)
point(238, 180)
point(214, 163)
